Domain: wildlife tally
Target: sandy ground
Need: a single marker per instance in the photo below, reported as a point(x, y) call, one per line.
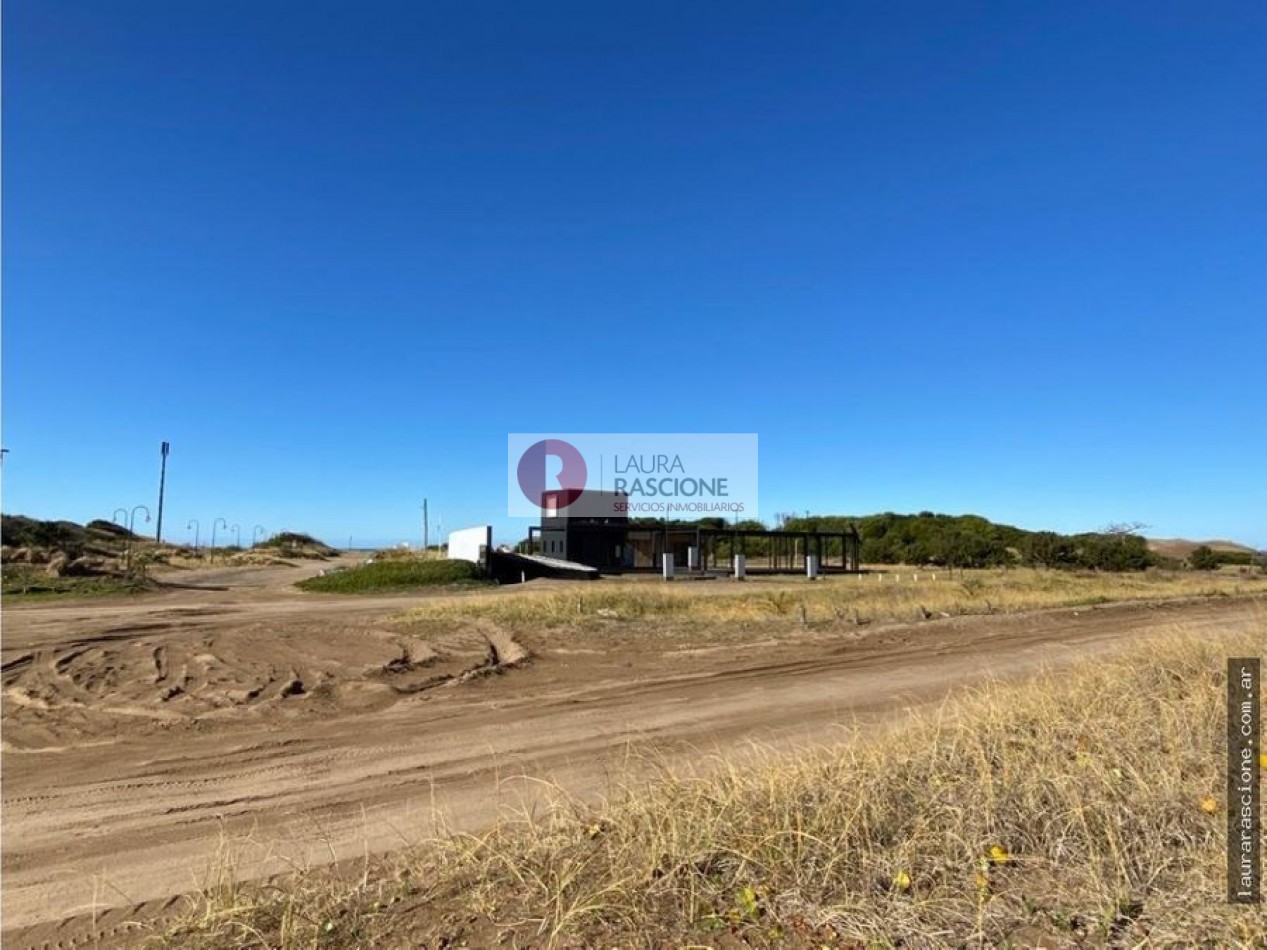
point(140, 735)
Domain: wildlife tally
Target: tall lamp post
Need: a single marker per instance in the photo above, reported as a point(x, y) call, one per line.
point(162, 484)
point(218, 521)
point(120, 517)
point(132, 517)
point(193, 523)
point(258, 532)
point(237, 536)
point(131, 532)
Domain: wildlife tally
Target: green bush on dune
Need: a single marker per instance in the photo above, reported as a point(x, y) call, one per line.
point(394, 575)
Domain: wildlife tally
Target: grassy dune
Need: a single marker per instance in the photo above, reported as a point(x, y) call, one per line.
point(1081, 809)
point(898, 596)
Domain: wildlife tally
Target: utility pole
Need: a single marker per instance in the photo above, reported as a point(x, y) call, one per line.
point(162, 483)
point(426, 532)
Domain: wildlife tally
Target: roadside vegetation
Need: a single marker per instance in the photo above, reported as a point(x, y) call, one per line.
point(24, 580)
point(1084, 808)
point(837, 600)
point(432, 553)
point(395, 574)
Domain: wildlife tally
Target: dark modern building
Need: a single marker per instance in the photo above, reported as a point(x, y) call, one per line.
point(598, 533)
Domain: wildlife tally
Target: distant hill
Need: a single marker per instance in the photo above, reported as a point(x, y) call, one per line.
point(1181, 547)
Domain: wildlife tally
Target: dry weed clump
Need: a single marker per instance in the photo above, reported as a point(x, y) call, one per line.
point(1080, 808)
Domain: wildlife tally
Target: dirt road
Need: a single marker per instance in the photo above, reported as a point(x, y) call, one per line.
point(308, 729)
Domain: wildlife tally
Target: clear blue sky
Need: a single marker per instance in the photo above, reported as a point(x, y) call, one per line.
point(1005, 258)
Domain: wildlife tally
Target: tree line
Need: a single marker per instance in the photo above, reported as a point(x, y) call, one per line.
point(969, 541)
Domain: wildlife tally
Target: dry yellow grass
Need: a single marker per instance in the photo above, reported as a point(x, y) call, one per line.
point(893, 596)
point(1083, 808)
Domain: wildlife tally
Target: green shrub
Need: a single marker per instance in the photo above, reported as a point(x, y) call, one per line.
point(1204, 559)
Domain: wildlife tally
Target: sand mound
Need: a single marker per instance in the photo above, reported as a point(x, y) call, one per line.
point(131, 677)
